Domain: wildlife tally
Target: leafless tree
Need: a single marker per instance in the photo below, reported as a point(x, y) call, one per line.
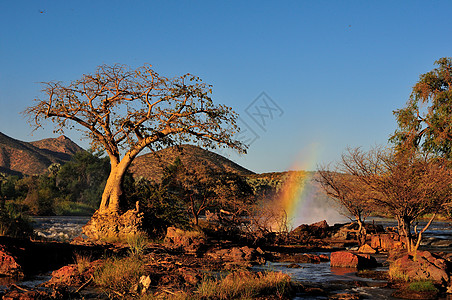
point(349, 192)
point(406, 185)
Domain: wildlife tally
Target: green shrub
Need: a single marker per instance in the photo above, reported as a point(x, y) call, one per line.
point(69, 208)
point(13, 223)
point(422, 286)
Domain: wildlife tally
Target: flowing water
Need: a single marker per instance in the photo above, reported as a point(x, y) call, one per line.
point(60, 228)
point(438, 237)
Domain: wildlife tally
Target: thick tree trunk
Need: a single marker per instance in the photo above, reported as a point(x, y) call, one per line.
point(113, 192)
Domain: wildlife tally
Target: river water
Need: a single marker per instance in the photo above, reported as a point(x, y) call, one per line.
point(438, 237)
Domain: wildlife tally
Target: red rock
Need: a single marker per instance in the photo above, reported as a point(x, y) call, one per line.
point(424, 266)
point(384, 241)
point(367, 249)
point(9, 266)
point(346, 259)
point(67, 274)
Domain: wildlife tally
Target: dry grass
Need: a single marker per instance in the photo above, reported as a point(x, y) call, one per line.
point(238, 285)
point(137, 244)
point(119, 276)
point(83, 262)
point(395, 273)
point(245, 285)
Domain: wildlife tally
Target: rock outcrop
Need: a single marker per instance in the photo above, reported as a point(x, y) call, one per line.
point(385, 241)
point(303, 232)
point(239, 255)
point(344, 259)
point(112, 226)
point(8, 265)
point(422, 266)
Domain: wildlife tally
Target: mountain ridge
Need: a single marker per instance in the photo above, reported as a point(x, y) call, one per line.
point(151, 165)
point(30, 158)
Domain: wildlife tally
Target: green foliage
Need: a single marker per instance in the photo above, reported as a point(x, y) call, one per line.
point(161, 207)
point(13, 222)
point(74, 188)
point(64, 207)
point(84, 177)
point(422, 286)
point(426, 120)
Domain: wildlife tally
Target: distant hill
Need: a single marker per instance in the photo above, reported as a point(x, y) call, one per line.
point(151, 165)
point(18, 157)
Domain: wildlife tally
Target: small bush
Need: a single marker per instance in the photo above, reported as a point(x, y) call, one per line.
point(422, 286)
point(118, 276)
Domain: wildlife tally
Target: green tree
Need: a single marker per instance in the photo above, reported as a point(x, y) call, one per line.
point(83, 178)
point(132, 109)
point(426, 120)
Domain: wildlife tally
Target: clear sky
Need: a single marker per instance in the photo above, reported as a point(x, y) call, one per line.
point(332, 72)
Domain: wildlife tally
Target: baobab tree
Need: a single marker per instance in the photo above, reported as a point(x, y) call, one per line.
point(124, 110)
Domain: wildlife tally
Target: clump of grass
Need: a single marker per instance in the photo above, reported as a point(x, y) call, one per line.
point(83, 262)
point(395, 273)
point(244, 284)
point(422, 286)
point(137, 244)
point(119, 276)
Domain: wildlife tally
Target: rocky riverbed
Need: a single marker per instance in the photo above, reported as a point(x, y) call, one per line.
point(181, 264)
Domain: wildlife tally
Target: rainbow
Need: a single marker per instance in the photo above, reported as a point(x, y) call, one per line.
point(295, 192)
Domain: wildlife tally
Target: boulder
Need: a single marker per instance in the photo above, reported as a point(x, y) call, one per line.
point(68, 275)
point(346, 259)
point(191, 276)
point(8, 265)
point(367, 249)
point(189, 241)
point(385, 241)
point(316, 230)
point(422, 266)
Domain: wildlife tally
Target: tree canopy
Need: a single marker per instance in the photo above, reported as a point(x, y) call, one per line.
point(405, 185)
point(426, 120)
point(124, 110)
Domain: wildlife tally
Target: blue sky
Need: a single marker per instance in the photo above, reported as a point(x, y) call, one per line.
point(335, 69)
